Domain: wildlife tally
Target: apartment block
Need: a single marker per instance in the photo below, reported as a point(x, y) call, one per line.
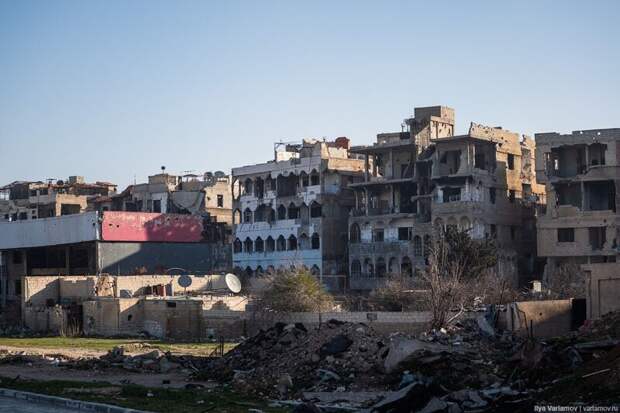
point(581, 172)
point(292, 211)
point(427, 177)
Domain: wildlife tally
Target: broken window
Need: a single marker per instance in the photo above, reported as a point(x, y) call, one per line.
point(568, 194)
point(314, 178)
point(259, 245)
point(237, 245)
point(293, 211)
point(381, 268)
point(596, 153)
point(405, 233)
point(377, 235)
point(315, 210)
point(292, 243)
point(18, 287)
point(451, 194)
point(270, 244)
point(354, 233)
point(511, 161)
point(281, 212)
point(316, 241)
point(247, 216)
point(157, 205)
point(492, 195)
point(511, 195)
point(566, 234)
point(220, 201)
point(600, 196)
point(417, 246)
point(598, 237)
point(248, 245)
point(281, 243)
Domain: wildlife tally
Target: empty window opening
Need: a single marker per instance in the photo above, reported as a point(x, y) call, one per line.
point(378, 235)
point(281, 243)
point(354, 234)
point(315, 210)
point(568, 194)
point(247, 216)
point(270, 244)
point(248, 245)
point(292, 243)
point(598, 237)
point(510, 161)
point(281, 212)
point(220, 201)
point(451, 194)
point(405, 233)
point(566, 234)
point(316, 241)
point(600, 196)
point(596, 153)
point(259, 245)
point(237, 246)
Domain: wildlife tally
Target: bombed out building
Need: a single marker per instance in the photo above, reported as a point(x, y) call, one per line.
point(581, 171)
point(292, 211)
point(426, 177)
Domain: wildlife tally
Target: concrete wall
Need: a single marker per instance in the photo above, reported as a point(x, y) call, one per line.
point(152, 257)
point(602, 289)
point(548, 318)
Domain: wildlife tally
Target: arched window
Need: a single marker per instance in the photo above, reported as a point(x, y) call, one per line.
point(393, 266)
point(417, 246)
point(248, 245)
point(356, 268)
point(292, 243)
point(259, 245)
point(314, 178)
point(293, 211)
point(305, 180)
point(261, 213)
point(304, 242)
point(315, 210)
point(281, 243)
point(315, 270)
point(272, 215)
point(247, 187)
point(428, 244)
point(247, 216)
point(316, 241)
point(405, 267)
point(354, 233)
point(259, 188)
point(237, 216)
point(369, 268)
point(281, 212)
point(237, 246)
point(381, 270)
point(270, 244)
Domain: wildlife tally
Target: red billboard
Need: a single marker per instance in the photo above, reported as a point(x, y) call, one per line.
point(150, 227)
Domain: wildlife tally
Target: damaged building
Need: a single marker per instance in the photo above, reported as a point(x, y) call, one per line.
point(293, 211)
point(580, 171)
point(112, 242)
point(208, 195)
point(427, 177)
point(24, 200)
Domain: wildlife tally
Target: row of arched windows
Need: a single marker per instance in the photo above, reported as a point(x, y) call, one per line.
point(380, 268)
point(420, 245)
point(257, 186)
point(265, 213)
point(259, 270)
point(279, 244)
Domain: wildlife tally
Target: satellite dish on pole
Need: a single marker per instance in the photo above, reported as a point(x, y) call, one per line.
point(233, 283)
point(185, 281)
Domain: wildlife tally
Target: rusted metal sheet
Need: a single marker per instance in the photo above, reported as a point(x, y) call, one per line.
point(142, 226)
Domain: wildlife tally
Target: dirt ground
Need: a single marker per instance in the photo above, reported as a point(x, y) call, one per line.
point(46, 370)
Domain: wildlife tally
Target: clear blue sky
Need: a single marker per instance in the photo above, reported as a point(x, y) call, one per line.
point(112, 90)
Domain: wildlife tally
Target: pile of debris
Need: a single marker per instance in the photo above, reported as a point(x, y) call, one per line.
point(469, 367)
point(287, 359)
point(155, 361)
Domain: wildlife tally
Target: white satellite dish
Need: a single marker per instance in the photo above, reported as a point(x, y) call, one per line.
point(233, 283)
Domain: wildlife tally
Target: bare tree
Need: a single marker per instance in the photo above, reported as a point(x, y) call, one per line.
point(454, 260)
point(566, 281)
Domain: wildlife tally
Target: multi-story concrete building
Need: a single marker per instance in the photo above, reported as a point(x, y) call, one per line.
point(23, 200)
point(293, 211)
point(426, 177)
point(581, 172)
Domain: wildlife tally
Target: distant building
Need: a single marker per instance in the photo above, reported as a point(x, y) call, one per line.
point(581, 171)
point(208, 195)
point(425, 177)
point(292, 211)
point(23, 200)
point(118, 243)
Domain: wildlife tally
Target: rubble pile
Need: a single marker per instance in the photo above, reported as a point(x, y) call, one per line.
point(155, 361)
point(468, 367)
point(286, 359)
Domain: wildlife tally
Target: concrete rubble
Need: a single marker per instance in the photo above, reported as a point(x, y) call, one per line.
point(467, 367)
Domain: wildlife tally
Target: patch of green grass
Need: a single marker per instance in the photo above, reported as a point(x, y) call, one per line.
point(104, 344)
point(150, 399)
